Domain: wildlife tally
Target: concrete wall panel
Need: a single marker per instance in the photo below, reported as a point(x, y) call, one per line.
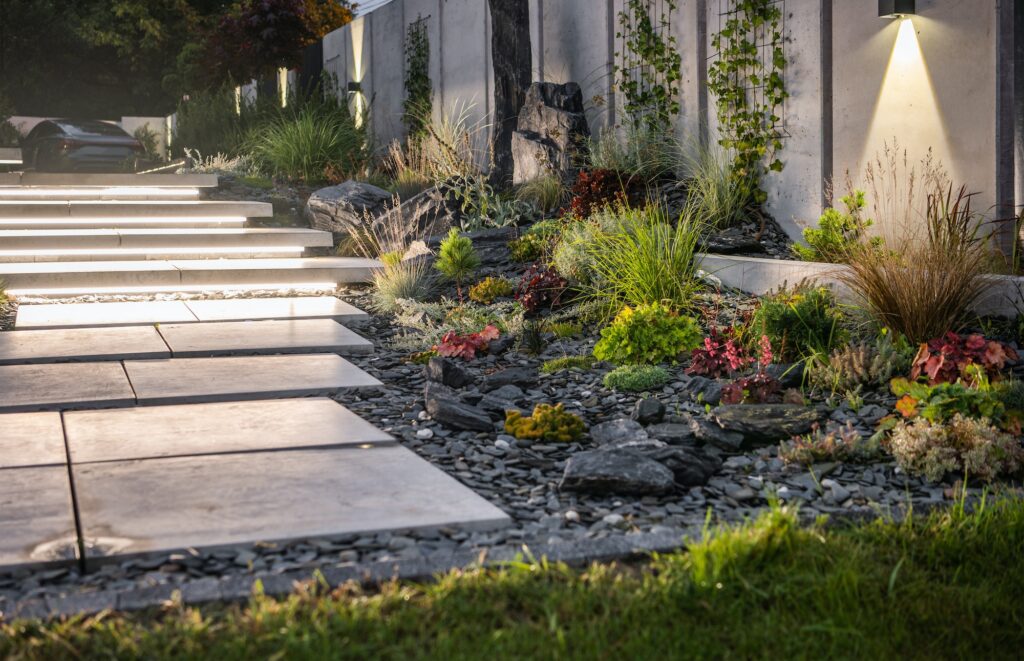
point(387, 63)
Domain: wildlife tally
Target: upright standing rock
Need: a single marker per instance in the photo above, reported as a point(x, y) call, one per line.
point(552, 132)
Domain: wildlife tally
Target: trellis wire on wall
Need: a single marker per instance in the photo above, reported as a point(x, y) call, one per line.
point(635, 69)
point(765, 49)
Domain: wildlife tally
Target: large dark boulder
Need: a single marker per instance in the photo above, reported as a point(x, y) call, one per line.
point(617, 471)
point(691, 467)
point(552, 132)
point(445, 407)
point(339, 209)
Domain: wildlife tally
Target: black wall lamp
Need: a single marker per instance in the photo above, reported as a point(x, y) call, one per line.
point(896, 8)
point(354, 87)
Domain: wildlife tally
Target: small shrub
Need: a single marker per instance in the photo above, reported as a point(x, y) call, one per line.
point(961, 446)
point(548, 423)
point(401, 280)
point(940, 402)
point(842, 444)
point(1010, 392)
point(545, 193)
point(309, 145)
point(567, 363)
point(572, 256)
point(647, 335)
point(645, 258)
point(541, 287)
point(799, 323)
point(456, 258)
point(862, 364)
point(595, 190)
point(758, 388)
point(838, 233)
point(636, 378)
point(489, 289)
point(454, 345)
point(947, 359)
point(529, 248)
point(722, 354)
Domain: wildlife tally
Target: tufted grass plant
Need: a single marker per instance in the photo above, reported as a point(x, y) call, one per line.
point(306, 147)
point(713, 195)
point(546, 192)
point(644, 258)
point(646, 151)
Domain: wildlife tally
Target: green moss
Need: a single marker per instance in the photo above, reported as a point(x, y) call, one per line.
point(636, 378)
point(548, 423)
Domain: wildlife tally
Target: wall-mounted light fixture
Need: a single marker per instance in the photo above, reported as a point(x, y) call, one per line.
point(896, 8)
point(354, 87)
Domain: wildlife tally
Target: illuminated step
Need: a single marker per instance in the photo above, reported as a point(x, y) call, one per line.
point(14, 212)
point(99, 193)
point(183, 275)
point(10, 156)
point(165, 243)
point(82, 179)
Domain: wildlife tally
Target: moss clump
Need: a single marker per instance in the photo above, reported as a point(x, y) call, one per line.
point(548, 423)
point(567, 363)
point(636, 378)
point(489, 289)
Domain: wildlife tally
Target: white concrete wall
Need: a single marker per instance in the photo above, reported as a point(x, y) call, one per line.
point(574, 40)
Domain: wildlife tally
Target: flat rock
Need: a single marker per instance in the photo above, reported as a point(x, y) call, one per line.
point(81, 345)
point(79, 315)
point(764, 424)
point(187, 380)
point(513, 376)
point(31, 439)
point(617, 471)
point(690, 467)
point(447, 371)
point(709, 433)
point(258, 337)
point(618, 431)
point(339, 209)
point(162, 505)
point(218, 428)
point(37, 522)
point(702, 389)
point(445, 407)
point(648, 411)
point(63, 385)
point(673, 433)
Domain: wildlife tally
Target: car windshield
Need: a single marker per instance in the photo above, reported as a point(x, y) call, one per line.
point(91, 127)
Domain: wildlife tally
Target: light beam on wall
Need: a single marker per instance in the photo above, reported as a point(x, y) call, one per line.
point(356, 31)
point(907, 108)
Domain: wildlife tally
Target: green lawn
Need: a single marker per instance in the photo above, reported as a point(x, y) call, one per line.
point(944, 586)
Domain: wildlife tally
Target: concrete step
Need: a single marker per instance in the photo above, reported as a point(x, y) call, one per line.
point(182, 275)
point(96, 193)
point(156, 243)
point(117, 213)
point(147, 313)
point(10, 156)
point(83, 179)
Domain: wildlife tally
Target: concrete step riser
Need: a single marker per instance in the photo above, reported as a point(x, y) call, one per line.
point(150, 210)
point(79, 179)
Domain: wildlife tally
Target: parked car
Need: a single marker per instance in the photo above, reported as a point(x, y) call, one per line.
point(73, 145)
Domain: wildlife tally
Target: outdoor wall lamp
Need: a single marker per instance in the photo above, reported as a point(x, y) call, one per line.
point(354, 87)
point(896, 8)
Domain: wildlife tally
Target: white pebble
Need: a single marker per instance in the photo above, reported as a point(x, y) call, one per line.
point(425, 433)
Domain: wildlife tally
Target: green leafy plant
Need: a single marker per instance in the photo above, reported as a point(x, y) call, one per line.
point(747, 81)
point(800, 322)
point(149, 140)
point(489, 289)
point(649, 69)
point(961, 446)
point(456, 258)
point(548, 423)
point(644, 258)
point(647, 335)
point(529, 248)
point(843, 444)
point(940, 402)
point(838, 233)
point(636, 378)
point(567, 363)
point(861, 364)
point(419, 90)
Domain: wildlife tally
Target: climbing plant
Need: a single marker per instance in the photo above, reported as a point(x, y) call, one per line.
point(649, 67)
point(747, 81)
point(418, 88)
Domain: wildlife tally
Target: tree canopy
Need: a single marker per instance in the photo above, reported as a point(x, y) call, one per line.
point(107, 58)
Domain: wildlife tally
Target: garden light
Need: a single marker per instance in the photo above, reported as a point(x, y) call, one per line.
point(896, 8)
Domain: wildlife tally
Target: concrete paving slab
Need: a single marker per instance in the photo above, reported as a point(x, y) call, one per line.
point(160, 505)
point(37, 522)
point(236, 378)
point(133, 209)
point(80, 315)
point(258, 309)
point(80, 179)
point(81, 345)
point(31, 439)
point(219, 338)
point(63, 386)
point(220, 428)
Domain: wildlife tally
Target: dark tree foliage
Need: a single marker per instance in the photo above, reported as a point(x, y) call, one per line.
point(107, 58)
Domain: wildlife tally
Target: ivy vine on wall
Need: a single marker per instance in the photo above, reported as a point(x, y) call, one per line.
point(419, 90)
point(747, 81)
point(649, 67)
